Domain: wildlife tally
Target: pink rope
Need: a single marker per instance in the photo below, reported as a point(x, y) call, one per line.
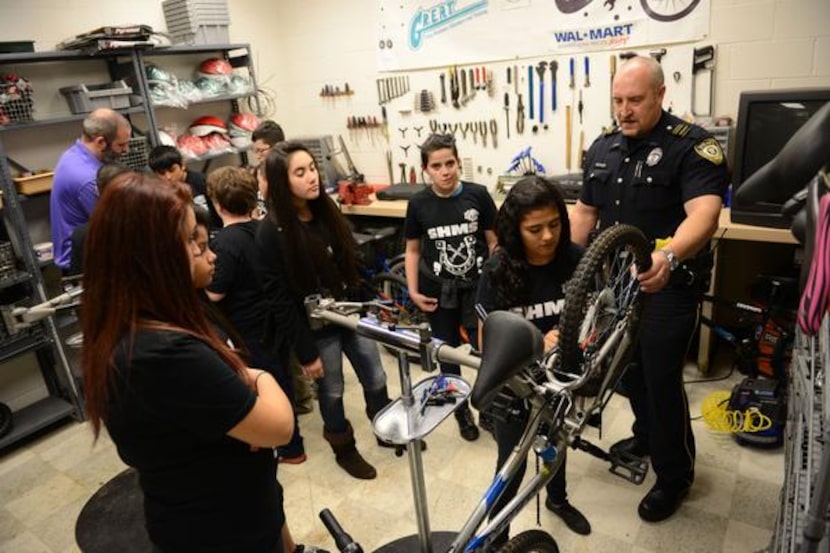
point(815, 299)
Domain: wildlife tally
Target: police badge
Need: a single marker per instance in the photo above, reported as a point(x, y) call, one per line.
point(654, 157)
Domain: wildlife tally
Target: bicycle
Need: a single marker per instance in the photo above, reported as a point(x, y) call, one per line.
point(561, 388)
point(659, 10)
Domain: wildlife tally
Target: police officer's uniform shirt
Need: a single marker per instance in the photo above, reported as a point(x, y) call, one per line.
point(451, 230)
point(645, 182)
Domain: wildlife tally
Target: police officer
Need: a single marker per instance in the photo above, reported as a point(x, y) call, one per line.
point(667, 178)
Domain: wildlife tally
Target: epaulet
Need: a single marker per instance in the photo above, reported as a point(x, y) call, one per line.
point(681, 129)
point(609, 130)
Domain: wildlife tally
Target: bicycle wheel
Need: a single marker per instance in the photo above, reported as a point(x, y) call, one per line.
point(601, 301)
point(668, 10)
point(397, 266)
point(530, 541)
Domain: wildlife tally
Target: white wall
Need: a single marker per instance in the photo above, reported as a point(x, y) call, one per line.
point(300, 45)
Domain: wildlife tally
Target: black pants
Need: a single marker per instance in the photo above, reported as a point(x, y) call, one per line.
point(654, 383)
point(445, 322)
point(508, 435)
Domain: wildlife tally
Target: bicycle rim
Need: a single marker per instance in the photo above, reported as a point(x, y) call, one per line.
point(668, 10)
point(601, 298)
point(531, 541)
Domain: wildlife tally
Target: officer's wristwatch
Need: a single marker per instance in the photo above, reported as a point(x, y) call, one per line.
point(674, 262)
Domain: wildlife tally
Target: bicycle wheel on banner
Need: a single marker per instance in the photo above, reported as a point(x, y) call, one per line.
point(668, 10)
point(602, 300)
point(531, 541)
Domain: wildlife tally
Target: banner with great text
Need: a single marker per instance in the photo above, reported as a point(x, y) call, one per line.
point(416, 34)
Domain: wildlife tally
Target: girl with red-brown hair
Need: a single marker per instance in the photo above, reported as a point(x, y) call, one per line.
point(181, 407)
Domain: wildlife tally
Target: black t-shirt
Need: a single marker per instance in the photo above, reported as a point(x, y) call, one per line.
point(544, 285)
point(451, 231)
point(174, 401)
point(198, 187)
point(238, 276)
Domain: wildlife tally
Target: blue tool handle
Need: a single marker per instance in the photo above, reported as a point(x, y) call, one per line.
point(530, 89)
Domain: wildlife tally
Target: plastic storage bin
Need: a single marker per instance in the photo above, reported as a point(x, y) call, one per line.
point(84, 98)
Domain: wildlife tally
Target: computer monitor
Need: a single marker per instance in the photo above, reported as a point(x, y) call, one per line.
point(766, 121)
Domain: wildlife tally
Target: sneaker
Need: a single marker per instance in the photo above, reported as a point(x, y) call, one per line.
point(297, 460)
point(629, 447)
point(300, 548)
point(466, 424)
point(486, 422)
point(570, 515)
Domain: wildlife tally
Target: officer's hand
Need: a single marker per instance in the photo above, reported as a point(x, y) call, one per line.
point(656, 278)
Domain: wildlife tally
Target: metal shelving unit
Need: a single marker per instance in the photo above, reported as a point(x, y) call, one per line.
point(43, 339)
point(807, 447)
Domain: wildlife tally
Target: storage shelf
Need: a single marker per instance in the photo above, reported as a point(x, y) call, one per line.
point(36, 416)
point(12, 348)
point(60, 119)
point(220, 98)
point(194, 49)
point(16, 279)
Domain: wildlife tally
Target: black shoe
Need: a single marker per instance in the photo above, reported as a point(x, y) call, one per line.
point(629, 447)
point(595, 419)
point(569, 514)
point(486, 422)
point(466, 424)
point(661, 502)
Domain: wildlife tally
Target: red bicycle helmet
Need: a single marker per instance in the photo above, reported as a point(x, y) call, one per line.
point(206, 125)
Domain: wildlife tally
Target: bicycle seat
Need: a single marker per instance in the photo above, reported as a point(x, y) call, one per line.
point(511, 343)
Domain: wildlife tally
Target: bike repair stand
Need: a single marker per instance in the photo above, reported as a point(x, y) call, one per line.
point(406, 422)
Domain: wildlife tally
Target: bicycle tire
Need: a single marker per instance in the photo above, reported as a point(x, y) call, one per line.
point(397, 265)
point(590, 286)
point(670, 16)
point(530, 541)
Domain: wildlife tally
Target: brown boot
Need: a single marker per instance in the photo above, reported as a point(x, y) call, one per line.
point(345, 451)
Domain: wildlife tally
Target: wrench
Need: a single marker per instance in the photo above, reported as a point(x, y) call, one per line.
point(540, 69)
point(554, 67)
point(507, 113)
point(530, 89)
point(494, 132)
point(482, 128)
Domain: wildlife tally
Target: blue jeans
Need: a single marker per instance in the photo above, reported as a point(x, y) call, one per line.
point(363, 354)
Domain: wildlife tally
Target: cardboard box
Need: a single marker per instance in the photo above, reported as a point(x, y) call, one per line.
point(36, 184)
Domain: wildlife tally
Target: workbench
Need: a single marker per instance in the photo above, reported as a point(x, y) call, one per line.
point(727, 230)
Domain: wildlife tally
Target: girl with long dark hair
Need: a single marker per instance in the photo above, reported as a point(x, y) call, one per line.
point(526, 275)
point(307, 248)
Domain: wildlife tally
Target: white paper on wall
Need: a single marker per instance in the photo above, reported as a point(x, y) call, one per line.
point(416, 35)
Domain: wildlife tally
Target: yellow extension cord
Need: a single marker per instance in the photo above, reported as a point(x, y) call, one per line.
point(720, 418)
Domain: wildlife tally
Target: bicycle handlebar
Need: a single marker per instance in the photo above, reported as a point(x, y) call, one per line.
point(342, 540)
point(410, 340)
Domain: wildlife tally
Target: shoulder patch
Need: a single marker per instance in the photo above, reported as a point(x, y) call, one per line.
point(710, 150)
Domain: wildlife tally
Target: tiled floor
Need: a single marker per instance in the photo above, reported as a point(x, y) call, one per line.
point(731, 508)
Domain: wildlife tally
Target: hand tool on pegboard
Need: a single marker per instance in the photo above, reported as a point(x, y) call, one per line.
point(568, 128)
point(703, 59)
point(470, 77)
point(464, 98)
point(516, 79)
point(509, 81)
point(482, 130)
point(454, 90)
point(540, 69)
point(443, 87)
point(530, 90)
point(572, 83)
point(494, 132)
point(507, 113)
point(403, 172)
point(389, 167)
point(520, 116)
point(554, 68)
point(579, 106)
point(587, 72)
point(580, 152)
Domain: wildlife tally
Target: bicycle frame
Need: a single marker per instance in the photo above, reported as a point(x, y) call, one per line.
point(555, 419)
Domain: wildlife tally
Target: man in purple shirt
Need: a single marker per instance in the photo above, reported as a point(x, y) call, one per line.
point(106, 135)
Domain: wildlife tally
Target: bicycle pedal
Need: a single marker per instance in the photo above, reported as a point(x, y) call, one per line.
point(628, 466)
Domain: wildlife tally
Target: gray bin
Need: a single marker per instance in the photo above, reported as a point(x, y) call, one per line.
point(84, 98)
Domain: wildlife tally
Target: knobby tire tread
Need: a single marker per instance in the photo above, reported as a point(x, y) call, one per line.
point(580, 287)
point(530, 541)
